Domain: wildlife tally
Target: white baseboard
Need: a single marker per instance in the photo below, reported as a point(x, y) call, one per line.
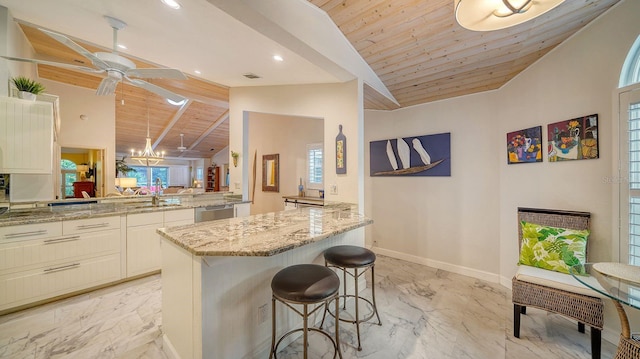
point(168, 348)
point(469, 272)
point(608, 334)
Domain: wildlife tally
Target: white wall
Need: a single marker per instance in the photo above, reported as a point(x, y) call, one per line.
point(13, 43)
point(467, 222)
point(288, 137)
point(440, 221)
point(335, 103)
point(98, 131)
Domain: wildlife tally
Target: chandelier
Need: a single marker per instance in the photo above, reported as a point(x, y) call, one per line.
point(488, 15)
point(148, 157)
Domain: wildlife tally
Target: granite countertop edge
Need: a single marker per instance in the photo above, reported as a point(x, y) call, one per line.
point(282, 242)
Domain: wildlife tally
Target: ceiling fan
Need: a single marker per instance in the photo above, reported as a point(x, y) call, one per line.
point(116, 67)
point(182, 147)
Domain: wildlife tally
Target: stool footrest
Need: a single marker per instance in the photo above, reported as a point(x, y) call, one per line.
point(366, 319)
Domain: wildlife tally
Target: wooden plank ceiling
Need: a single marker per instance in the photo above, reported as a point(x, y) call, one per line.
point(203, 121)
point(416, 48)
point(422, 54)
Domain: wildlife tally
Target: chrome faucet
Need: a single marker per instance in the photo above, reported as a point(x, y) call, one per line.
point(156, 197)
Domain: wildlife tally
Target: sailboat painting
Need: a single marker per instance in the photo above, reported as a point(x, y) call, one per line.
point(428, 155)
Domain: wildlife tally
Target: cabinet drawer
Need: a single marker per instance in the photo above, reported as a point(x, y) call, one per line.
point(178, 215)
point(30, 231)
point(23, 255)
point(143, 219)
point(38, 284)
point(90, 225)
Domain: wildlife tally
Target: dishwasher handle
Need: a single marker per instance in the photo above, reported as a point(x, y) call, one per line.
point(218, 207)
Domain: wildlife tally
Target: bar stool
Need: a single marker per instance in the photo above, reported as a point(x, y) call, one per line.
point(305, 284)
point(353, 257)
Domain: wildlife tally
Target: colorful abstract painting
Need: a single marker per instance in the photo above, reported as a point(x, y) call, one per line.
point(428, 155)
point(524, 146)
point(575, 139)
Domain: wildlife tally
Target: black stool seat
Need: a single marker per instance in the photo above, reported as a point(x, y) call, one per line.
point(349, 256)
point(305, 283)
point(308, 285)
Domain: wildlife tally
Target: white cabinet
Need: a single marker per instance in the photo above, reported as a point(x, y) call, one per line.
point(143, 243)
point(242, 209)
point(26, 136)
point(43, 260)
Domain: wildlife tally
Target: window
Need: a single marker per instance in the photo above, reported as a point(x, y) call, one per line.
point(314, 166)
point(633, 184)
point(631, 68)
point(68, 175)
point(146, 176)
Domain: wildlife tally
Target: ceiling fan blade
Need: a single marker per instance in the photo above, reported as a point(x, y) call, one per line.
point(157, 74)
point(107, 86)
point(56, 64)
point(157, 90)
point(77, 48)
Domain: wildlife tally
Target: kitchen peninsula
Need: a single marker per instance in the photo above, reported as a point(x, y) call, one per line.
point(216, 294)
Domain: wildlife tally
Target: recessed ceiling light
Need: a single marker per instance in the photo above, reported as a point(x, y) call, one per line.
point(120, 46)
point(179, 103)
point(172, 4)
point(197, 72)
point(278, 58)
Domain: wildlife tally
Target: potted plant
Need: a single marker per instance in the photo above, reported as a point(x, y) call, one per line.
point(235, 156)
point(122, 167)
point(27, 88)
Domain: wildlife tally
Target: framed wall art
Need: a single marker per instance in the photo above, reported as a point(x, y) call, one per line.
point(575, 139)
point(270, 173)
point(428, 155)
point(524, 146)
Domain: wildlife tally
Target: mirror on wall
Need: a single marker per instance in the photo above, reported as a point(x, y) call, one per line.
point(80, 169)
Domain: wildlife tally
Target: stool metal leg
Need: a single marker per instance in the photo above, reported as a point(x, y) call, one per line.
point(273, 327)
point(305, 331)
point(373, 293)
point(344, 288)
point(355, 275)
point(337, 331)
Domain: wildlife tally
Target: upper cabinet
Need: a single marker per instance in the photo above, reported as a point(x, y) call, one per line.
point(26, 136)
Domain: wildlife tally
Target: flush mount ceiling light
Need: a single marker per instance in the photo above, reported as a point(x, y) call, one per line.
point(278, 58)
point(176, 103)
point(172, 4)
point(488, 15)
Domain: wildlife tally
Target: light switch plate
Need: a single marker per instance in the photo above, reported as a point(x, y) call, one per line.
point(333, 189)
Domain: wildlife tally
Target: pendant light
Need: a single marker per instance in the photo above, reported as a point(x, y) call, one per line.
point(148, 157)
point(488, 15)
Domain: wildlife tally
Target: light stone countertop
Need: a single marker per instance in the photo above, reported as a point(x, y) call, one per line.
point(266, 234)
point(94, 210)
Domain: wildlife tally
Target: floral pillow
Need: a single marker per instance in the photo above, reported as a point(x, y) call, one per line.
point(551, 248)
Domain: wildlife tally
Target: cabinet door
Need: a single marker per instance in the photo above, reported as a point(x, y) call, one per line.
point(242, 209)
point(143, 249)
point(26, 136)
point(29, 286)
point(23, 255)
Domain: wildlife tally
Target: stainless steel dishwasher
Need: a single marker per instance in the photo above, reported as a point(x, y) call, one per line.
point(211, 213)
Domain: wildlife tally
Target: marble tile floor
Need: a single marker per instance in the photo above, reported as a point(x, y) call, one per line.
point(426, 313)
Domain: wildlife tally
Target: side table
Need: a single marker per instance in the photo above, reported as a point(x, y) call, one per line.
point(621, 283)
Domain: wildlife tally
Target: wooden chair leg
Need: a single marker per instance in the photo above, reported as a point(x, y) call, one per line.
point(516, 320)
point(581, 327)
point(596, 343)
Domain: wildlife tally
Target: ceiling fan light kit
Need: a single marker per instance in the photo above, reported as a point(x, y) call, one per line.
point(489, 15)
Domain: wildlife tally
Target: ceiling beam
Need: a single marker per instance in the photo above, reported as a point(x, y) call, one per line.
point(170, 125)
